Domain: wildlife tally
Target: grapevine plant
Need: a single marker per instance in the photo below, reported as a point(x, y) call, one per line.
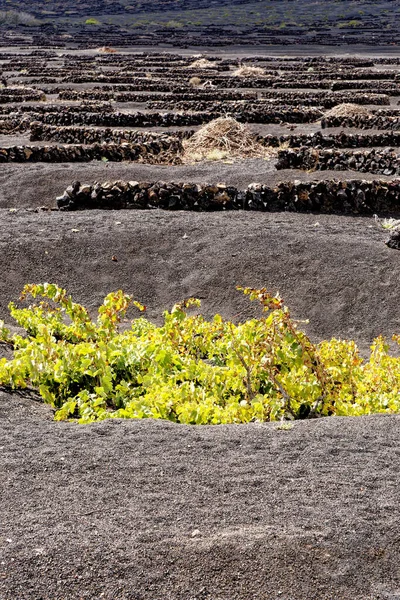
point(189, 370)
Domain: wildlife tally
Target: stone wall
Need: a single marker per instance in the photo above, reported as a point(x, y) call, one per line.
point(339, 140)
point(77, 153)
point(348, 197)
point(325, 99)
point(250, 112)
point(384, 162)
point(12, 124)
point(84, 106)
point(378, 87)
point(187, 94)
point(118, 119)
point(85, 135)
point(8, 95)
point(363, 122)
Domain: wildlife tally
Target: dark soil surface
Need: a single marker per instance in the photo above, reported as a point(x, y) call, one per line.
point(334, 270)
point(147, 510)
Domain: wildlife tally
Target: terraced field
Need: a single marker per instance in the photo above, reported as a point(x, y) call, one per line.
point(170, 175)
point(101, 117)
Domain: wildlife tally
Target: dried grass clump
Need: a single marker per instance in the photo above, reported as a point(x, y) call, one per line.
point(194, 82)
point(348, 110)
point(223, 138)
point(248, 71)
point(107, 50)
point(392, 224)
point(202, 63)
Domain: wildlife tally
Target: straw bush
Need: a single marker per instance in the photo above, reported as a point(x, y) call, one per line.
point(195, 82)
point(223, 138)
point(202, 63)
point(248, 71)
point(107, 50)
point(348, 110)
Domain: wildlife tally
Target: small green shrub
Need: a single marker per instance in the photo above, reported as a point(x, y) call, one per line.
point(173, 24)
point(354, 23)
point(92, 21)
point(189, 370)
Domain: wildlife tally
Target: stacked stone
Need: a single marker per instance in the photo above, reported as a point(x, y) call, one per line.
point(302, 83)
point(379, 87)
point(320, 61)
point(384, 162)
point(249, 112)
point(84, 95)
point(327, 100)
point(355, 75)
point(118, 119)
point(348, 197)
point(327, 78)
point(376, 121)
point(170, 119)
point(56, 108)
point(394, 239)
point(78, 153)
point(8, 95)
point(12, 124)
point(186, 94)
point(141, 84)
point(82, 135)
point(340, 140)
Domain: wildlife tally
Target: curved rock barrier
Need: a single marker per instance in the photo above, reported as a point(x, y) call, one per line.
point(351, 75)
point(339, 140)
point(384, 162)
point(8, 95)
point(250, 112)
point(136, 143)
point(86, 135)
point(77, 153)
point(140, 84)
point(118, 119)
point(12, 124)
point(346, 197)
point(156, 58)
point(326, 99)
point(179, 78)
point(156, 119)
point(363, 122)
point(189, 94)
point(246, 114)
point(84, 106)
point(378, 87)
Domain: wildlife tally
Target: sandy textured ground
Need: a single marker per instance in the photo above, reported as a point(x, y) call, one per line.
point(146, 510)
point(334, 270)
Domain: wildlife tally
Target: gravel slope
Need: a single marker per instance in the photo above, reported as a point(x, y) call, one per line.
point(334, 270)
point(147, 510)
